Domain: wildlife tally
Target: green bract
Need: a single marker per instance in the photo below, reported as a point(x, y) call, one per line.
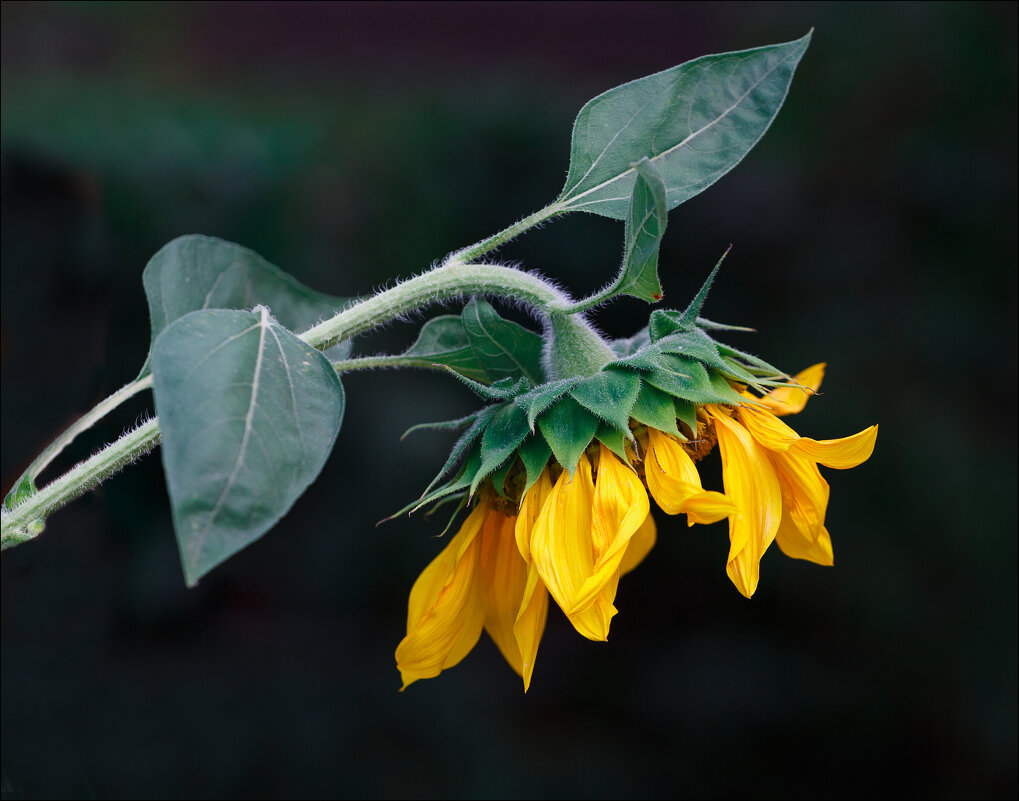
point(661, 375)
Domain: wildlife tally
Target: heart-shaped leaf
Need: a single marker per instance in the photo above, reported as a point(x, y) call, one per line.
point(505, 349)
point(249, 413)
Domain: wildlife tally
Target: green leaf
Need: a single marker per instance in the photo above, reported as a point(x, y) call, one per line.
point(540, 398)
point(499, 477)
point(534, 453)
point(443, 341)
point(694, 122)
point(610, 394)
point(502, 435)
point(20, 492)
point(655, 408)
point(249, 414)
point(501, 390)
point(614, 439)
point(461, 481)
point(695, 344)
point(503, 348)
point(628, 346)
point(645, 227)
point(201, 272)
point(568, 428)
point(441, 425)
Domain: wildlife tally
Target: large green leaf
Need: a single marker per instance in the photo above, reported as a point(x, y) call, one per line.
point(694, 122)
point(506, 350)
point(201, 272)
point(443, 341)
point(249, 413)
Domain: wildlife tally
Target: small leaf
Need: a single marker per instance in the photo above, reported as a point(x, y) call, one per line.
point(502, 436)
point(694, 122)
point(499, 477)
point(441, 425)
point(681, 378)
point(655, 408)
point(501, 390)
point(645, 227)
point(443, 341)
point(610, 394)
point(20, 493)
point(695, 344)
point(503, 348)
point(568, 429)
point(540, 398)
point(461, 481)
point(534, 453)
point(249, 414)
point(202, 272)
point(644, 359)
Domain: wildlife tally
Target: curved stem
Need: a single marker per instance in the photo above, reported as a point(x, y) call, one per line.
point(26, 520)
point(83, 423)
point(452, 280)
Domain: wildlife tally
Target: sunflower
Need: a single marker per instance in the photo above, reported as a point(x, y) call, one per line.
point(573, 535)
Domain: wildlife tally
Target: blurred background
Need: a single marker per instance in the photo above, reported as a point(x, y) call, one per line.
point(874, 227)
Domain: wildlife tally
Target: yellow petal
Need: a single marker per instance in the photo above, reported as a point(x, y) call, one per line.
point(530, 506)
point(563, 552)
point(641, 544)
point(791, 400)
point(802, 534)
point(445, 613)
point(620, 507)
point(530, 622)
point(708, 507)
point(503, 576)
point(751, 483)
point(766, 428)
point(675, 483)
point(671, 474)
point(839, 453)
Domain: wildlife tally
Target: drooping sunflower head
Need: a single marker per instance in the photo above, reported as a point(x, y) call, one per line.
point(562, 476)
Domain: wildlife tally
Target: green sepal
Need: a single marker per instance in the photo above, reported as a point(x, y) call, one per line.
point(540, 398)
point(724, 392)
point(440, 425)
point(695, 344)
point(627, 346)
point(613, 439)
point(503, 348)
point(534, 453)
point(503, 434)
point(610, 394)
point(499, 476)
point(461, 481)
point(686, 412)
point(461, 446)
point(646, 358)
point(501, 390)
point(656, 409)
point(753, 363)
point(568, 428)
point(20, 493)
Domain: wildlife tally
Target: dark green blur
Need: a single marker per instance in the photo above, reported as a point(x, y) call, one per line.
point(874, 227)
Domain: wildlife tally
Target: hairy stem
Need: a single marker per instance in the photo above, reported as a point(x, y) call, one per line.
point(473, 252)
point(26, 520)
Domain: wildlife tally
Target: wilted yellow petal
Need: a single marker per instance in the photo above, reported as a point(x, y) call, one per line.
point(530, 507)
point(671, 474)
point(503, 574)
point(563, 552)
point(620, 507)
point(751, 483)
point(839, 453)
point(675, 484)
point(802, 534)
point(445, 613)
point(530, 622)
point(766, 428)
point(791, 400)
point(640, 545)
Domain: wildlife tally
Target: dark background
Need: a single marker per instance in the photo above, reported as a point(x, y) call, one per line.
point(874, 228)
